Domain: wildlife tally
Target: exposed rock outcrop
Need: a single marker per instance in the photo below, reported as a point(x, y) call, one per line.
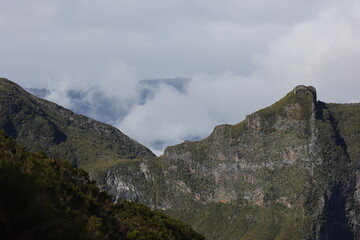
point(288, 156)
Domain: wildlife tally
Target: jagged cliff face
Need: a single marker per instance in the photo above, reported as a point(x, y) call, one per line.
point(283, 173)
point(346, 121)
point(235, 159)
point(289, 171)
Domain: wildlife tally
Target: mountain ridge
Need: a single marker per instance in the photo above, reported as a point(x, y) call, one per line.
point(288, 171)
point(289, 155)
point(42, 125)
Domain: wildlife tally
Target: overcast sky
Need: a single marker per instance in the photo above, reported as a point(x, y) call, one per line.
point(240, 56)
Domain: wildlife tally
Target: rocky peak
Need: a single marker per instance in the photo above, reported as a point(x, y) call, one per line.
point(301, 89)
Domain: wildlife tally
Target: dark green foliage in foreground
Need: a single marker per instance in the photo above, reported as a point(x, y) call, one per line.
point(46, 198)
point(27, 212)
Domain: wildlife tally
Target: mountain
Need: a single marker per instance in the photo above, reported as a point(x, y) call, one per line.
point(288, 171)
point(94, 103)
point(38, 125)
point(46, 198)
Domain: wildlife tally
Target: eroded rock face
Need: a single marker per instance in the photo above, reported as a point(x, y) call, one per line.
point(121, 186)
point(277, 158)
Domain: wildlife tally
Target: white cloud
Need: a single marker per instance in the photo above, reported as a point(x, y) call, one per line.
point(240, 55)
point(172, 117)
point(109, 90)
point(322, 51)
point(161, 38)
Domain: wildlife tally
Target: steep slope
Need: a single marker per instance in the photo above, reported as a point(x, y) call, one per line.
point(41, 125)
point(46, 198)
point(346, 119)
point(283, 173)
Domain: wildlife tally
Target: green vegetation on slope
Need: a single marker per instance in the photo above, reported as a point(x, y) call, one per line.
point(251, 180)
point(346, 119)
point(232, 221)
point(46, 198)
point(276, 175)
point(40, 125)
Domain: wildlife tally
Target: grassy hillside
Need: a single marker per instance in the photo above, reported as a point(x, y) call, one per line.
point(38, 125)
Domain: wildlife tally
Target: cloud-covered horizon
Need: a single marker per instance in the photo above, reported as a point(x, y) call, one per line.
point(239, 56)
